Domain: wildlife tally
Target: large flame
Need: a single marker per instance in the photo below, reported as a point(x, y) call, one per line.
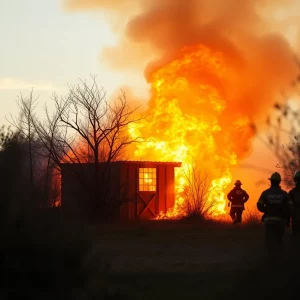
point(187, 121)
point(202, 101)
point(184, 124)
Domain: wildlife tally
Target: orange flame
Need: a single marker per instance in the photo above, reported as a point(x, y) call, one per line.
point(184, 123)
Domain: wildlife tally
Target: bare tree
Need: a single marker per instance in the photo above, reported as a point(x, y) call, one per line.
point(25, 127)
point(284, 139)
point(86, 128)
point(196, 193)
point(38, 156)
point(99, 127)
point(6, 136)
point(53, 145)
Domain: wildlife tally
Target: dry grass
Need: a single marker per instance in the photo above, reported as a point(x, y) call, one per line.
point(252, 217)
point(177, 247)
point(141, 260)
point(175, 259)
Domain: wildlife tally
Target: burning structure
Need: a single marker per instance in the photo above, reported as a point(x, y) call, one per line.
point(126, 190)
point(213, 69)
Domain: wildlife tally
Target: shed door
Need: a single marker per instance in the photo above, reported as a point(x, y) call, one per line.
point(147, 194)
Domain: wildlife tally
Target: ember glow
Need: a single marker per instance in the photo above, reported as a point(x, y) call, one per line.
point(183, 123)
point(214, 67)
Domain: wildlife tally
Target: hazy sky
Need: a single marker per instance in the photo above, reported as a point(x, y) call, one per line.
point(45, 48)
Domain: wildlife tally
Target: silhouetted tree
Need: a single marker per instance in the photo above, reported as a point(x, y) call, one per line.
point(196, 199)
point(283, 133)
point(6, 137)
point(284, 139)
point(24, 125)
point(85, 127)
point(196, 193)
point(39, 167)
point(99, 127)
point(13, 181)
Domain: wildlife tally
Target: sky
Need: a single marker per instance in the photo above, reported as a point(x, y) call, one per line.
point(46, 47)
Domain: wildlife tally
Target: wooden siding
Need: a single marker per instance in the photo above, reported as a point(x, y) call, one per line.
point(123, 187)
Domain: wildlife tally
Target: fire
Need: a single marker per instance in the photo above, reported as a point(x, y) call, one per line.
point(184, 123)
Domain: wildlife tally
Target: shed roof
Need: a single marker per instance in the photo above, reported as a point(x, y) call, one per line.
point(176, 164)
point(135, 162)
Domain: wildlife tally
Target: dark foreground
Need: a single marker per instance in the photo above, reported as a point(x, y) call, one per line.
point(45, 258)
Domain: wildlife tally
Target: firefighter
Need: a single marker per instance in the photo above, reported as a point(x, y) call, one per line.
point(274, 203)
point(237, 197)
point(294, 196)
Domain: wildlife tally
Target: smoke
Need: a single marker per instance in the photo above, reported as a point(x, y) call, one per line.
point(260, 61)
point(94, 4)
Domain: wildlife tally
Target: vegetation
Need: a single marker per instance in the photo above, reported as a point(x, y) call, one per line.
point(83, 127)
point(284, 139)
point(252, 217)
point(198, 203)
point(45, 257)
point(196, 193)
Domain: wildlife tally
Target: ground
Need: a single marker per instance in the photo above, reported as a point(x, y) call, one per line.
point(146, 260)
point(180, 260)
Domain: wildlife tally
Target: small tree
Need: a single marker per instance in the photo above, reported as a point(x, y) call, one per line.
point(24, 125)
point(86, 128)
point(39, 161)
point(286, 127)
point(196, 193)
point(6, 137)
point(284, 135)
point(99, 127)
point(13, 180)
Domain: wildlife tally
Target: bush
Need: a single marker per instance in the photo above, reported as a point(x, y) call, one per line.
point(196, 194)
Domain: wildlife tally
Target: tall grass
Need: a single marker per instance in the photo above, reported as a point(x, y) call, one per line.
point(252, 217)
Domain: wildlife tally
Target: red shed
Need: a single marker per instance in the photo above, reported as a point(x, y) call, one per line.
point(130, 189)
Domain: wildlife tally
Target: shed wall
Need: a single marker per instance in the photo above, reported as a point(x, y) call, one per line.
point(78, 185)
point(122, 188)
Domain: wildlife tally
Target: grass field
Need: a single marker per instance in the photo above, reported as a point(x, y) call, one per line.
point(145, 260)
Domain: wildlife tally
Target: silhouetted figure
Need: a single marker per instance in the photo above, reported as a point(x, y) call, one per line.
point(237, 197)
point(274, 203)
point(294, 195)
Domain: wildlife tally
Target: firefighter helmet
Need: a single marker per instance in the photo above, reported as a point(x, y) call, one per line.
point(238, 182)
point(297, 176)
point(275, 177)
